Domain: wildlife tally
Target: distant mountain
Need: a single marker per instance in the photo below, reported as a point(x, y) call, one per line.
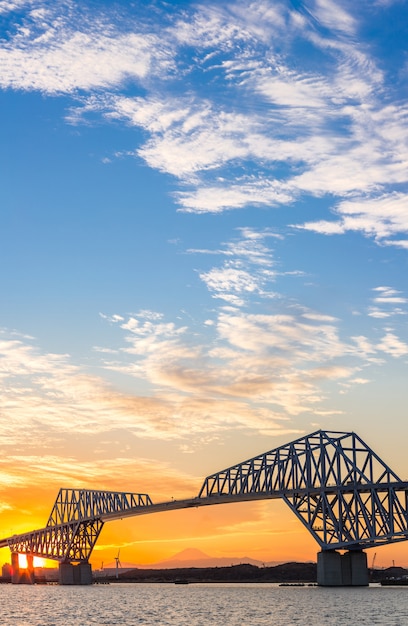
point(191, 557)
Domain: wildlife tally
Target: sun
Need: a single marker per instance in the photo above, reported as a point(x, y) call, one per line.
point(37, 562)
point(22, 561)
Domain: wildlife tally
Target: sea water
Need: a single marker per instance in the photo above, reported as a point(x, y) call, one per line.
point(228, 604)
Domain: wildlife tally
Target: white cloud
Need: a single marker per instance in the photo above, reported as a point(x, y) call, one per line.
point(388, 300)
point(59, 50)
point(333, 16)
point(7, 6)
point(230, 195)
point(227, 282)
point(384, 303)
point(381, 218)
point(386, 291)
point(397, 243)
point(215, 27)
point(81, 61)
point(364, 346)
point(283, 334)
point(286, 88)
point(318, 317)
point(392, 345)
point(190, 136)
point(247, 270)
point(377, 313)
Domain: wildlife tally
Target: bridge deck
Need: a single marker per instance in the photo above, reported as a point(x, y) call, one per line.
point(214, 499)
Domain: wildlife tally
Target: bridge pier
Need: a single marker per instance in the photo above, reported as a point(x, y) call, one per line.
point(70, 574)
point(25, 575)
point(342, 570)
point(15, 568)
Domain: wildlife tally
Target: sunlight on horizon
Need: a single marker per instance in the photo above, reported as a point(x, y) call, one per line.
point(37, 561)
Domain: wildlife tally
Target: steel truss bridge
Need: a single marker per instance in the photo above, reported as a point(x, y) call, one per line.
point(341, 490)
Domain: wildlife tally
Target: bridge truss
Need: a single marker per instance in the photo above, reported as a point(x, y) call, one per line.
point(344, 494)
point(75, 523)
point(341, 490)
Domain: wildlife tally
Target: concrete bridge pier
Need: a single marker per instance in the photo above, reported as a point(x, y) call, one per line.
point(70, 574)
point(342, 570)
point(15, 568)
point(19, 575)
point(29, 572)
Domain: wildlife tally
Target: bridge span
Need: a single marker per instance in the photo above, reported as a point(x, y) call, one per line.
point(339, 488)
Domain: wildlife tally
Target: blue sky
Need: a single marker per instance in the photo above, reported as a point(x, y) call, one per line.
point(204, 234)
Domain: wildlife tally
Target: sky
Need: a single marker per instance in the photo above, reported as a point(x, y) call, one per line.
point(203, 254)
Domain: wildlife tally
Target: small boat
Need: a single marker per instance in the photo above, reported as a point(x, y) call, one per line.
point(390, 582)
point(181, 581)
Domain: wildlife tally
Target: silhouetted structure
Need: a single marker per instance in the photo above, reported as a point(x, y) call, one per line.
point(344, 494)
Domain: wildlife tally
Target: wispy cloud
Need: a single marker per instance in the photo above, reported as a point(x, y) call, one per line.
point(385, 302)
point(323, 128)
point(387, 295)
point(267, 366)
point(333, 16)
point(391, 344)
point(7, 6)
point(147, 475)
point(248, 269)
point(384, 218)
point(63, 49)
point(52, 397)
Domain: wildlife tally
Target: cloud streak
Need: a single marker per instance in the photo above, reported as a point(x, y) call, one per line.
point(384, 218)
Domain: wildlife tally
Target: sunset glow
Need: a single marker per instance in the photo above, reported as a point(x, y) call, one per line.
point(203, 252)
point(22, 561)
point(37, 561)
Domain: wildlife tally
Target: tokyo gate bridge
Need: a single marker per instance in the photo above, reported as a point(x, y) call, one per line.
point(338, 488)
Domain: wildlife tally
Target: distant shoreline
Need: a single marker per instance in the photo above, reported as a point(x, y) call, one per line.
point(288, 573)
point(292, 573)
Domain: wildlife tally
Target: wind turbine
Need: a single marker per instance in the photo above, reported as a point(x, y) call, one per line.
point(118, 564)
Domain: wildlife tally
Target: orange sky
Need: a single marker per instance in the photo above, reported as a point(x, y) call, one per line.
point(264, 530)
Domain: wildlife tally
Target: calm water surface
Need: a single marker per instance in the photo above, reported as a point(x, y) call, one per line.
point(201, 604)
